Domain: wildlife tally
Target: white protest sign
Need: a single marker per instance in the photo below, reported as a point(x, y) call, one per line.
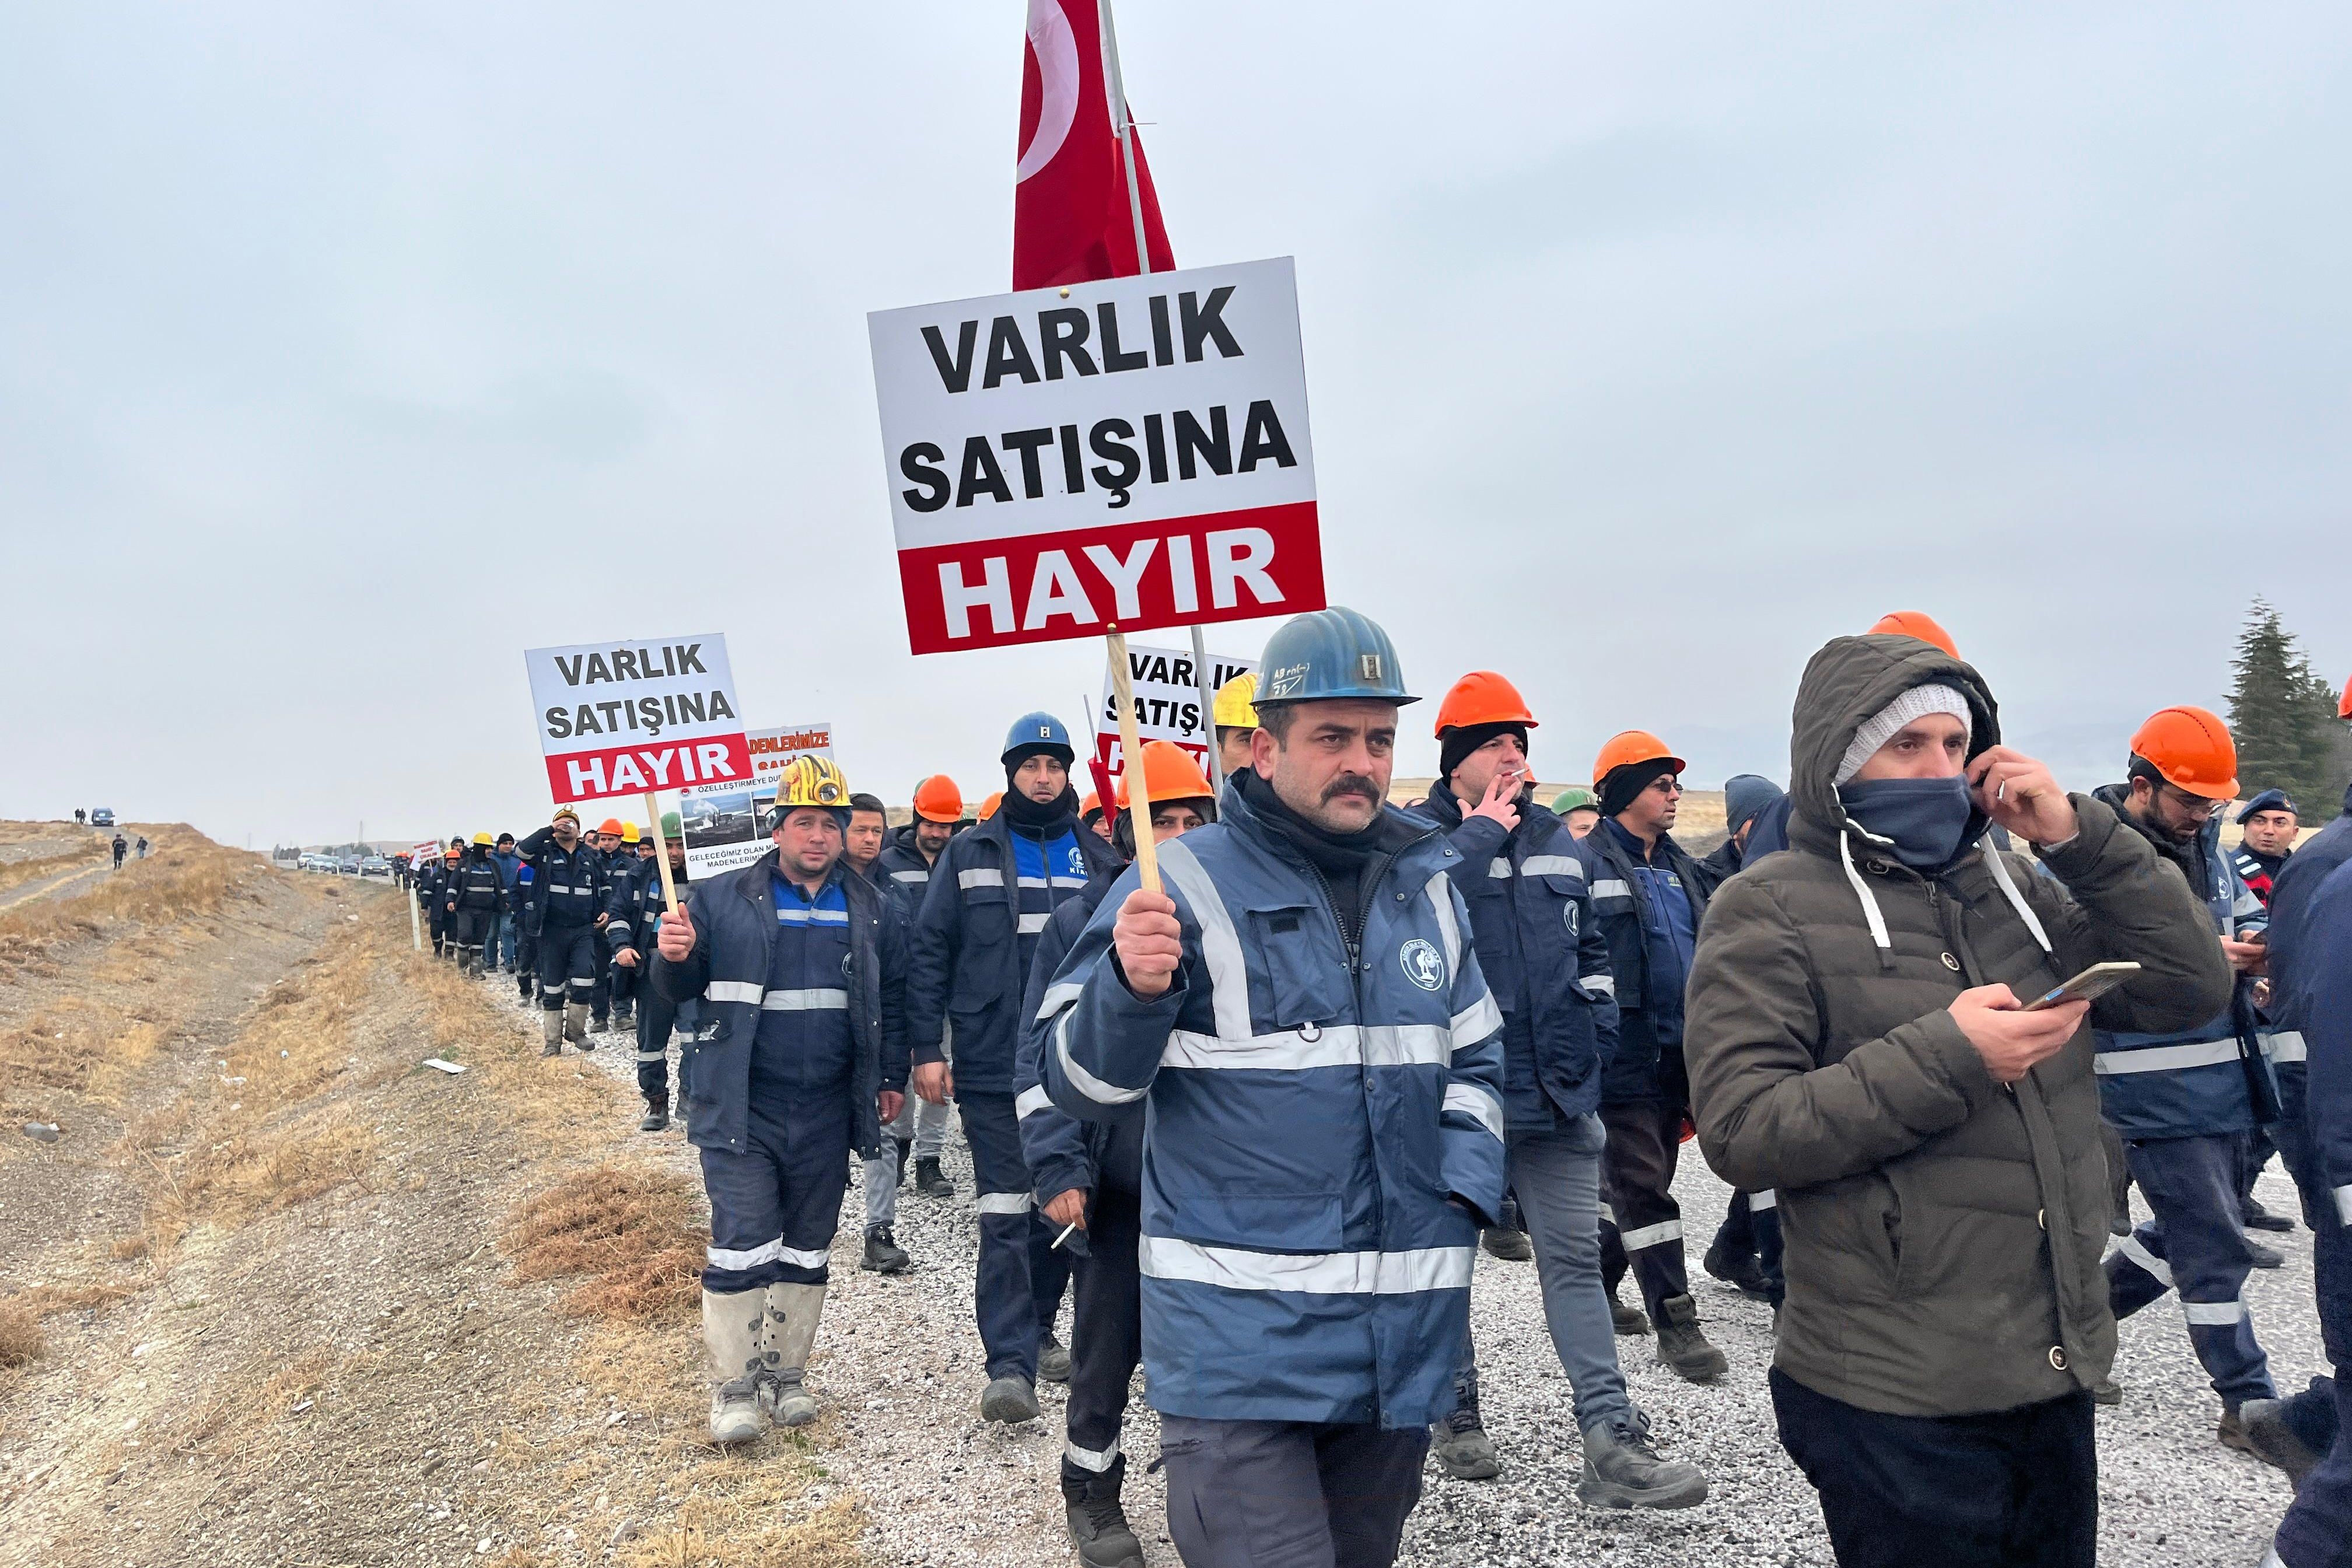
point(626, 717)
point(1131, 450)
point(1167, 703)
point(725, 825)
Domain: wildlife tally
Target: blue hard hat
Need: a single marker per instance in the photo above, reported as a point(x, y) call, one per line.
point(1033, 733)
point(1333, 653)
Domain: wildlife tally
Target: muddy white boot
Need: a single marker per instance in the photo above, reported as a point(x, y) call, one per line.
point(575, 1023)
point(730, 1338)
point(785, 1338)
point(553, 1024)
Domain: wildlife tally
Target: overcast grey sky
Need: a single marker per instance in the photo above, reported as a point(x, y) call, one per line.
point(347, 352)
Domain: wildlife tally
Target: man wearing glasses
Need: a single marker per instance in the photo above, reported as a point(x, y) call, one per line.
point(2185, 1102)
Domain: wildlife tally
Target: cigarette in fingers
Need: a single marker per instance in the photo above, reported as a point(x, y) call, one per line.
point(1065, 1233)
point(2000, 789)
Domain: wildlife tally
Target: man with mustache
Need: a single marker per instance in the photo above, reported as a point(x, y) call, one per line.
point(1301, 1010)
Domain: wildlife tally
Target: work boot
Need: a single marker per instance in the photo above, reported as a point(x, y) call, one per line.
point(553, 1024)
point(929, 1183)
point(600, 1025)
point(904, 1146)
point(1053, 1358)
point(2260, 1218)
point(2263, 1257)
point(1682, 1346)
point(883, 1253)
point(624, 1017)
point(656, 1118)
point(731, 1340)
point(1011, 1399)
point(1622, 1468)
point(1510, 1246)
point(1744, 1271)
point(1098, 1526)
point(2270, 1439)
point(787, 1331)
point(1627, 1320)
point(1460, 1441)
point(2232, 1431)
point(524, 983)
point(575, 1023)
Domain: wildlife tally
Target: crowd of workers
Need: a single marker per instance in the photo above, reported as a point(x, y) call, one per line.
point(1256, 1119)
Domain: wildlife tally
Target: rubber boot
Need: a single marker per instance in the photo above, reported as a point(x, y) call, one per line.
point(657, 1117)
point(883, 1253)
point(1460, 1441)
point(575, 1025)
point(554, 1025)
point(785, 1338)
point(1682, 1346)
point(731, 1340)
point(929, 1183)
point(1098, 1526)
point(1622, 1469)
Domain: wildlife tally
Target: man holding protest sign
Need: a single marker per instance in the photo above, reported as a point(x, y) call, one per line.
point(803, 1060)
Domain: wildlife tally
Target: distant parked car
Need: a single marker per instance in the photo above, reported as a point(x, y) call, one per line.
point(350, 866)
point(102, 817)
point(375, 866)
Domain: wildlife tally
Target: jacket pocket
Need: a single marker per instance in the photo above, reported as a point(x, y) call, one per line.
point(1262, 1223)
point(980, 963)
point(1287, 940)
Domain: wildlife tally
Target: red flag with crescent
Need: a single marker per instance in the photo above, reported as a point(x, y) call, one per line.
point(1071, 220)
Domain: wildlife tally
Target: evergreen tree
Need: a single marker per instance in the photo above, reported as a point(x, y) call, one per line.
point(2283, 715)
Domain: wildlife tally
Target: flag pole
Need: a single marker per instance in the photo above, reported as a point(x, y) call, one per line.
point(1208, 708)
point(1124, 129)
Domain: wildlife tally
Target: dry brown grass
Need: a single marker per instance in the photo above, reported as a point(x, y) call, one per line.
point(570, 1107)
point(733, 1513)
point(17, 873)
point(631, 1232)
point(186, 878)
point(20, 1335)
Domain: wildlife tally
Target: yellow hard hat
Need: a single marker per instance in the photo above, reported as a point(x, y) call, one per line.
point(1235, 709)
point(629, 833)
point(484, 839)
point(811, 781)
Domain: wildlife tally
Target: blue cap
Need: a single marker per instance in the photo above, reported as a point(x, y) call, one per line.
point(2269, 800)
point(1330, 654)
point(1038, 733)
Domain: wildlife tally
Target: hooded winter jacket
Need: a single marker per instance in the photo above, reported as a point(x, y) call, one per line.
point(1324, 1126)
point(1943, 1232)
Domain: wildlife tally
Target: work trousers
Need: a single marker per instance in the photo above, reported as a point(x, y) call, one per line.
point(470, 929)
point(1641, 1226)
point(776, 1203)
point(624, 983)
point(1105, 1338)
point(2014, 1488)
point(600, 975)
point(1288, 1494)
point(1752, 1229)
point(526, 956)
point(436, 925)
point(655, 1020)
point(923, 1123)
point(1013, 1259)
point(567, 965)
point(1556, 1176)
point(2317, 1530)
point(2194, 1245)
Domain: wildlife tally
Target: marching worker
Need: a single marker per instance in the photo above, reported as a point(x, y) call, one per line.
point(622, 863)
point(500, 948)
point(605, 848)
point(471, 894)
point(1648, 896)
point(2184, 1099)
point(1236, 721)
point(1746, 1251)
point(2269, 823)
point(568, 896)
point(1547, 965)
point(1090, 1174)
point(862, 845)
point(800, 976)
point(1091, 816)
point(921, 1128)
point(973, 942)
point(522, 908)
point(122, 847)
point(1578, 810)
point(1308, 1224)
point(635, 907)
point(1858, 1043)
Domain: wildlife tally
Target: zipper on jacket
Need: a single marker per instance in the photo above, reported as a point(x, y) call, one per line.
point(1338, 926)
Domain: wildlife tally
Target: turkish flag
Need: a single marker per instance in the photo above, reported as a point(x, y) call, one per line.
point(1071, 222)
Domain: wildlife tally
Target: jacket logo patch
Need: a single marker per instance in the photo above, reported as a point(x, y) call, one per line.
point(1569, 914)
point(1422, 963)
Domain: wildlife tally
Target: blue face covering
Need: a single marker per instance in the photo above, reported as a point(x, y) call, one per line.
point(1924, 817)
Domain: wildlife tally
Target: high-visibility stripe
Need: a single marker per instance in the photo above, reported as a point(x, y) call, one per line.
point(1606, 984)
point(816, 1000)
point(1094, 1459)
point(2212, 1312)
point(1085, 1082)
point(583, 986)
point(1499, 867)
point(734, 991)
point(1440, 891)
point(752, 1257)
point(1031, 924)
point(1007, 1203)
point(2167, 1058)
point(2286, 1046)
point(816, 1258)
point(787, 915)
point(1041, 881)
point(910, 875)
point(1058, 995)
point(981, 877)
point(1032, 1098)
point(1612, 888)
point(1312, 1045)
point(1552, 865)
point(1767, 1199)
point(1312, 1274)
point(2343, 1204)
point(1221, 948)
point(1644, 1235)
point(559, 886)
point(1607, 1215)
point(1476, 1101)
point(2156, 1268)
point(1475, 1024)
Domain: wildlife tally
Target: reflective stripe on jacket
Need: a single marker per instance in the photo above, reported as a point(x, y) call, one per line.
point(1325, 1133)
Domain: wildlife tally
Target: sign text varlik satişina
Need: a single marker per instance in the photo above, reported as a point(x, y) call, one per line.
point(1167, 703)
point(628, 716)
point(1133, 450)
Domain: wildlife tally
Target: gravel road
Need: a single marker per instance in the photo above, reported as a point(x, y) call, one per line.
point(900, 1367)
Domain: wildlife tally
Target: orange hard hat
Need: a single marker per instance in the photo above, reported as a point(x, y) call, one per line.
point(2192, 748)
point(1093, 803)
point(611, 825)
point(2343, 709)
point(937, 799)
point(988, 807)
point(1170, 774)
point(1631, 746)
point(1481, 697)
point(1916, 624)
